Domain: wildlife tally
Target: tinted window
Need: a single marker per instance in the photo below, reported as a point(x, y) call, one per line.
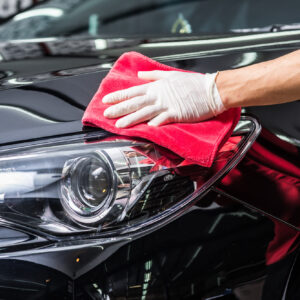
point(147, 17)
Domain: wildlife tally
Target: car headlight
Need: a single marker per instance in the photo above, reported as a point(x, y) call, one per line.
point(77, 186)
point(74, 185)
point(88, 186)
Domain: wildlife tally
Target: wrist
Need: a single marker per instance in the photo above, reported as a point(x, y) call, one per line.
point(222, 85)
point(214, 99)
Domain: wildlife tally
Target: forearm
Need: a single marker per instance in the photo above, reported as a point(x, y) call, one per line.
point(272, 82)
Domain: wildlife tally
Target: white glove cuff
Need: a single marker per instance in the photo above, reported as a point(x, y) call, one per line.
point(215, 101)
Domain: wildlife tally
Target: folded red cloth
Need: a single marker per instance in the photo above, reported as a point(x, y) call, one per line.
point(196, 142)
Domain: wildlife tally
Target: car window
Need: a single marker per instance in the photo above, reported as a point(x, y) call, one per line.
point(147, 17)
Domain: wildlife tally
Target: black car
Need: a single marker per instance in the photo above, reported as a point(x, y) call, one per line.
point(86, 214)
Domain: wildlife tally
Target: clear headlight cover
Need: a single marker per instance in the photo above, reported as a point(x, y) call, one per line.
point(71, 186)
point(77, 186)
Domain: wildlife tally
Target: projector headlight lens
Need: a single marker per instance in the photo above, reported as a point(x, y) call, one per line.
point(87, 186)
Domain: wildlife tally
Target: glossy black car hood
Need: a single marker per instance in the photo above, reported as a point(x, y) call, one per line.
point(208, 249)
point(45, 85)
point(47, 109)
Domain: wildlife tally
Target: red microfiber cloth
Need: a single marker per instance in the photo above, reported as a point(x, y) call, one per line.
point(197, 143)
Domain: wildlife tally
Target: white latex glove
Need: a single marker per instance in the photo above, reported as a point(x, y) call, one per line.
point(172, 96)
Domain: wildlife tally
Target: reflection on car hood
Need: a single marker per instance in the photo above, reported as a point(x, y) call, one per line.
point(47, 84)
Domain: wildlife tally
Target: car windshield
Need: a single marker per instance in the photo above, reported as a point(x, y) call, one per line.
point(120, 18)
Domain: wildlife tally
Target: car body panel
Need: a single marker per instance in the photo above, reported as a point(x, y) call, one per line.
point(213, 249)
point(71, 88)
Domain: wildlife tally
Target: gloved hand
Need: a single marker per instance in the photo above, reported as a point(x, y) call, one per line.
point(172, 96)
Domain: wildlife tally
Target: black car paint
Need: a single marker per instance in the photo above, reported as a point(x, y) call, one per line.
point(202, 254)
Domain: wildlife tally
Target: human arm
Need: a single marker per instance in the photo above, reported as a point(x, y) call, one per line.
point(271, 82)
point(193, 97)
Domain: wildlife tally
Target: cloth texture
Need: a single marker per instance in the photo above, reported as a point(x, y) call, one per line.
point(197, 143)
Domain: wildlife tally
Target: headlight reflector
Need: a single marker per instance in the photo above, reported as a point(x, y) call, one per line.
point(87, 187)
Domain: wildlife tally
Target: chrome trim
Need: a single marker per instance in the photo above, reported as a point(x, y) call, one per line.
point(288, 139)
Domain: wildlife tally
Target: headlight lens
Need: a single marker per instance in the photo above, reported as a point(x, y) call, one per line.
point(87, 187)
point(71, 186)
point(74, 187)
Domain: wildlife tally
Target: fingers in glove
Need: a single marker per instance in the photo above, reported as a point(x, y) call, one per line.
point(144, 114)
point(126, 94)
point(161, 119)
point(127, 107)
point(155, 75)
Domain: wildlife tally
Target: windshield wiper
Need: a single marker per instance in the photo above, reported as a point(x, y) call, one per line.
point(269, 28)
